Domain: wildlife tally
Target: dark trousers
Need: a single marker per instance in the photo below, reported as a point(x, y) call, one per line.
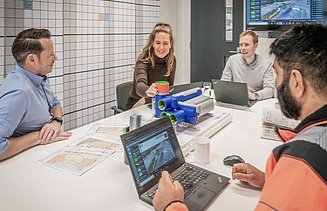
point(130, 103)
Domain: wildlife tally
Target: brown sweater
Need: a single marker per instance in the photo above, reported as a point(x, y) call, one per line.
point(144, 76)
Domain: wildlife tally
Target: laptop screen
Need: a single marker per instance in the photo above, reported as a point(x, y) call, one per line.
point(231, 92)
point(184, 87)
point(152, 149)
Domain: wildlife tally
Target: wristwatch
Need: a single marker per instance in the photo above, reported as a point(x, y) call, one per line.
point(57, 119)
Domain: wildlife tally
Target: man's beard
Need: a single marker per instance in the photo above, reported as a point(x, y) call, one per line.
point(288, 105)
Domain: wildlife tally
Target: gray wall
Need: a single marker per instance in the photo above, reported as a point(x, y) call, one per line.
point(178, 14)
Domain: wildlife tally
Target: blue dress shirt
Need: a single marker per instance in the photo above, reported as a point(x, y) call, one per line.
point(24, 105)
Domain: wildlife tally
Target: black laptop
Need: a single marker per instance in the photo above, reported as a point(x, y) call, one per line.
point(232, 93)
point(154, 148)
point(184, 87)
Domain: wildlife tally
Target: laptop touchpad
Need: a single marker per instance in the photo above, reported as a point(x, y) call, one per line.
point(202, 196)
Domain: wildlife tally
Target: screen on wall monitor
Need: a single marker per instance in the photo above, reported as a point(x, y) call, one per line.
point(268, 14)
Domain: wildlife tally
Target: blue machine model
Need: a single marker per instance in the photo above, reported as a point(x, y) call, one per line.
point(186, 106)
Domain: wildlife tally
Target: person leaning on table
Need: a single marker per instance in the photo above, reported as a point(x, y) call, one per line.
point(296, 172)
point(251, 68)
point(30, 113)
point(156, 62)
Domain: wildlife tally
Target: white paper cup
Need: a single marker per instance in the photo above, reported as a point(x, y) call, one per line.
point(202, 149)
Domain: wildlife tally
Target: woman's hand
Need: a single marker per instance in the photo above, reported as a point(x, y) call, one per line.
point(152, 91)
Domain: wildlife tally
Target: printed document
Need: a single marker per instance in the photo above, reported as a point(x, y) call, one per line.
point(81, 155)
point(272, 119)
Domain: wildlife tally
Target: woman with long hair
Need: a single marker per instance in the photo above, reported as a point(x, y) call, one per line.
point(156, 62)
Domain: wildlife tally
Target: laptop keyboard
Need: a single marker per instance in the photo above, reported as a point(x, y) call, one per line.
point(188, 176)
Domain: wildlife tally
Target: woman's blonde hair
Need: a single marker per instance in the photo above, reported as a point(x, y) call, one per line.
point(148, 56)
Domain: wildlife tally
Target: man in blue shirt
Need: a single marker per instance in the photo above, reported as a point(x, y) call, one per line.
point(30, 114)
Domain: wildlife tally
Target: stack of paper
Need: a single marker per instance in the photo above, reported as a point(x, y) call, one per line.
point(81, 155)
point(99, 142)
point(272, 119)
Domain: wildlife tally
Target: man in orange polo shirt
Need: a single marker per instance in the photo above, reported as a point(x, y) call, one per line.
point(296, 172)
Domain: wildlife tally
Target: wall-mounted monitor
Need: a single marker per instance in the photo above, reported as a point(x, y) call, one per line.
point(262, 15)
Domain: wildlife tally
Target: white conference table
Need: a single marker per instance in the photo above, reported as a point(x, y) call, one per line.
point(27, 184)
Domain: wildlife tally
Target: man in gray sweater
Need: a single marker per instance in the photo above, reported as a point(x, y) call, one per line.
point(251, 68)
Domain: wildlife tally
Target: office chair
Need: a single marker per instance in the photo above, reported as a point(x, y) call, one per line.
point(122, 95)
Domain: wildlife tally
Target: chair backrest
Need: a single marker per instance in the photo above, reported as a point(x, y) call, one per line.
point(122, 94)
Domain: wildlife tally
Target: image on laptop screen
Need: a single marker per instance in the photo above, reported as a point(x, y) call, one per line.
point(151, 152)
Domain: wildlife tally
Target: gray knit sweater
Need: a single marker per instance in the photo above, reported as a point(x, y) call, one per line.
point(258, 75)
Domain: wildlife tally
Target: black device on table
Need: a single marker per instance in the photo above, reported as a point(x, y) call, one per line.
point(154, 148)
point(233, 159)
point(235, 93)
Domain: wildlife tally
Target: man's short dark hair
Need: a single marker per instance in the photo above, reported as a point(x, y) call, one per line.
point(304, 48)
point(27, 42)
